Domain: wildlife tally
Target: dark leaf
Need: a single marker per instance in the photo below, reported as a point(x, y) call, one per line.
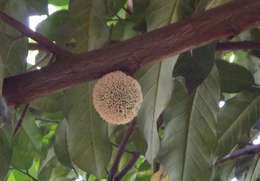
point(233, 77)
point(195, 66)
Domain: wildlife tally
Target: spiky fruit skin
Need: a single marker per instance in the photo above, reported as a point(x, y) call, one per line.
point(117, 97)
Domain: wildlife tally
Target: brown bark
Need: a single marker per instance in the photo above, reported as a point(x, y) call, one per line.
point(133, 54)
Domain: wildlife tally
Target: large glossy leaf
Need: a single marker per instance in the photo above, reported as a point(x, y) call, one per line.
point(5, 154)
point(88, 142)
point(188, 146)
point(91, 150)
point(233, 77)
point(90, 19)
point(236, 119)
point(26, 143)
point(82, 28)
point(156, 80)
point(23, 150)
point(157, 85)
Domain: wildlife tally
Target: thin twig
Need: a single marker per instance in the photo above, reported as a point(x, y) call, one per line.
point(121, 150)
point(127, 167)
point(25, 173)
point(20, 121)
point(243, 45)
point(43, 41)
point(248, 150)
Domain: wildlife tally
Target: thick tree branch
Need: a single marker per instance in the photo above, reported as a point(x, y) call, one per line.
point(221, 46)
point(248, 150)
point(127, 167)
point(43, 41)
point(245, 45)
point(130, 55)
point(121, 150)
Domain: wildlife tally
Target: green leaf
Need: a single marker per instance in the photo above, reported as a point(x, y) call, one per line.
point(61, 145)
point(23, 151)
point(33, 132)
point(26, 143)
point(236, 119)
point(123, 30)
point(114, 6)
point(90, 19)
point(13, 50)
point(188, 146)
point(89, 146)
point(91, 150)
point(156, 81)
point(59, 2)
point(224, 172)
point(157, 85)
point(253, 173)
point(161, 13)
point(233, 77)
point(15, 175)
point(15, 59)
point(36, 7)
point(195, 66)
point(47, 166)
point(57, 28)
point(5, 155)
point(5, 113)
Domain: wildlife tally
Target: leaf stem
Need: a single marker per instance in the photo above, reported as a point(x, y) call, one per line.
point(121, 150)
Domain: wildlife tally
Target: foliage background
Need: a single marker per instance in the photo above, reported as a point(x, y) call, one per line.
point(62, 138)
